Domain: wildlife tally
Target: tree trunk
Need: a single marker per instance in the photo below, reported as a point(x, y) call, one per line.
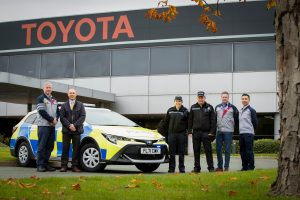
point(288, 66)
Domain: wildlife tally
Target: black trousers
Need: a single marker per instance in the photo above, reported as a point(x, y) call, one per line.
point(246, 151)
point(66, 146)
point(176, 144)
point(46, 137)
point(198, 137)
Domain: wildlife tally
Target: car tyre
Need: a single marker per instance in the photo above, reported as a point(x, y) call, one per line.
point(147, 167)
point(23, 155)
point(90, 158)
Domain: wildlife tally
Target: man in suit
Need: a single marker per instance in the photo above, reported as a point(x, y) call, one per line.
point(72, 116)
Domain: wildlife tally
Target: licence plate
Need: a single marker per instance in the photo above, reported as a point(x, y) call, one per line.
point(150, 151)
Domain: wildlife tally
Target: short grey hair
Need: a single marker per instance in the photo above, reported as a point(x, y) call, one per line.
point(47, 83)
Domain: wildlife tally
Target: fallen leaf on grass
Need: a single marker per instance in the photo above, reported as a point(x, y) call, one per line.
point(35, 177)
point(156, 184)
point(233, 178)
point(253, 182)
point(141, 174)
point(204, 188)
point(130, 186)
point(265, 177)
point(82, 178)
point(27, 185)
point(76, 186)
point(11, 181)
point(232, 193)
point(46, 191)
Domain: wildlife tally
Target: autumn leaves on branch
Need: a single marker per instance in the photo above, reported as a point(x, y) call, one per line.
point(207, 12)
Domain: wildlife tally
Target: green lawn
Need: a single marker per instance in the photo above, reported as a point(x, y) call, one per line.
point(232, 185)
point(5, 154)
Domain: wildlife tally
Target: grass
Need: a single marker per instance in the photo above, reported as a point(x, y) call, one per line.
point(5, 154)
point(231, 185)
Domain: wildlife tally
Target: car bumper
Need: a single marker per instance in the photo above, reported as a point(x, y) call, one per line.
point(13, 152)
point(130, 154)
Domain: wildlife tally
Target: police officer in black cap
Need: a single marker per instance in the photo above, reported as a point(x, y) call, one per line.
point(202, 124)
point(177, 122)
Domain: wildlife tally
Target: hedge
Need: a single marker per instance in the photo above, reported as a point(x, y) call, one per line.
point(262, 146)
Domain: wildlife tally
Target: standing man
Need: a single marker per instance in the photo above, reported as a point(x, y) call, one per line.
point(247, 126)
point(227, 119)
point(177, 123)
point(47, 117)
point(72, 116)
point(202, 125)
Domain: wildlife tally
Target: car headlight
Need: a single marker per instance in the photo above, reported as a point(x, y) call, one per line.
point(163, 139)
point(115, 138)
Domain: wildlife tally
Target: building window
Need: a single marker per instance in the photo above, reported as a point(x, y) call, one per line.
point(256, 56)
point(127, 62)
point(57, 65)
point(169, 60)
point(26, 65)
point(92, 64)
point(211, 58)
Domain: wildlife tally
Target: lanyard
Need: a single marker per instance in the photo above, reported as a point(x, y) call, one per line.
point(225, 111)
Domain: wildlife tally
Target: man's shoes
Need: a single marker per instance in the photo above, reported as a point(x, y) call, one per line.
point(63, 169)
point(219, 169)
point(75, 169)
point(244, 169)
point(196, 171)
point(41, 169)
point(211, 170)
point(226, 169)
point(50, 169)
point(182, 171)
point(171, 171)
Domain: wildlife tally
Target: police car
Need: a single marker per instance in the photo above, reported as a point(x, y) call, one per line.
point(108, 138)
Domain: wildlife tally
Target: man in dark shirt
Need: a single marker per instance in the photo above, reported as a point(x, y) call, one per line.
point(202, 124)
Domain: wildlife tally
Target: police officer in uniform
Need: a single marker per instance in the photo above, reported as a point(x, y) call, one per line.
point(177, 122)
point(202, 124)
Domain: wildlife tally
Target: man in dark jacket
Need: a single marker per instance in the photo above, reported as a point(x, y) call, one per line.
point(177, 123)
point(47, 117)
point(202, 125)
point(72, 116)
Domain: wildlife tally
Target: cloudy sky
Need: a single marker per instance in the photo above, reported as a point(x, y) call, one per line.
point(13, 10)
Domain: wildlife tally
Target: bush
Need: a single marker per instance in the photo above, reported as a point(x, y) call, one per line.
point(266, 146)
point(262, 146)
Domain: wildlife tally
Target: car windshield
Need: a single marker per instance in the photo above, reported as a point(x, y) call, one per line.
point(107, 118)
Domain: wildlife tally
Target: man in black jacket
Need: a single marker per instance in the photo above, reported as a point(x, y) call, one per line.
point(72, 116)
point(177, 122)
point(202, 125)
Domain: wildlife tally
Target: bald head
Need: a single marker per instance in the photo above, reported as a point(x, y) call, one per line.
point(72, 94)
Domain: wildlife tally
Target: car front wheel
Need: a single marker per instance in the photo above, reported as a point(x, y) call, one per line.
point(147, 167)
point(90, 158)
point(23, 155)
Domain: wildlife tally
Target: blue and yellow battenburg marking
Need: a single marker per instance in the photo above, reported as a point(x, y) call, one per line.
point(107, 149)
point(29, 132)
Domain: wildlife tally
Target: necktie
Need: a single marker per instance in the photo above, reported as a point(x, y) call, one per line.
point(72, 105)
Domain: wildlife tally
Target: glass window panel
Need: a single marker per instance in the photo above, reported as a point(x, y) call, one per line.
point(57, 65)
point(92, 63)
point(257, 56)
point(27, 65)
point(128, 62)
point(3, 63)
point(169, 60)
point(211, 58)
